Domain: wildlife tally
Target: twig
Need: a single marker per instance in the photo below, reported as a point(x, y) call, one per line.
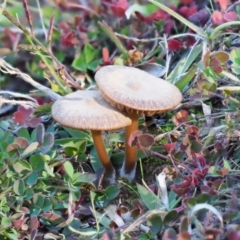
point(8, 69)
point(41, 17)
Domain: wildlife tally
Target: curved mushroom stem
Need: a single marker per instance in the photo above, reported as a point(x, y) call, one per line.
point(129, 166)
point(103, 156)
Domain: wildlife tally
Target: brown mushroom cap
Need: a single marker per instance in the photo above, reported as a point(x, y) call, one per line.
point(133, 89)
point(88, 110)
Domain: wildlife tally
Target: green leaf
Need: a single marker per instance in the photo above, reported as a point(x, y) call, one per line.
point(184, 63)
point(94, 64)
point(69, 169)
point(155, 223)
point(48, 142)
point(101, 199)
point(22, 166)
point(170, 217)
point(19, 187)
point(32, 178)
point(79, 63)
point(116, 137)
point(186, 79)
point(48, 170)
point(149, 198)
point(83, 178)
point(30, 149)
point(79, 134)
point(47, 205)
point(23, 132)
point(235, 57)
point(28, 194)
point(112, 192)
point(95, 161)
point(227, 165)
point(37, 162)
point(40, 134)
point(191, 202)
point(69, 142)
point(204, 198)
point(89, 53)
point(43, 110)
point(38, 200)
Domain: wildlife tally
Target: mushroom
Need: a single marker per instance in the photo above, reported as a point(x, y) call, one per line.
point(137, 92)
point(89, 110)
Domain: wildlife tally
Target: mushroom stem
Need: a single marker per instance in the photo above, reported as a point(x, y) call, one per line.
point(129, 165)
point(102, 154)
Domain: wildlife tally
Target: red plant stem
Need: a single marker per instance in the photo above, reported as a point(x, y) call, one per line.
point(130, 152)
point(102, 153)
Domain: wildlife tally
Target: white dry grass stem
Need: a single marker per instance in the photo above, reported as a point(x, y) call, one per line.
point(162, 189)
point(200, 206)
point(138, 222)
point(8, 69)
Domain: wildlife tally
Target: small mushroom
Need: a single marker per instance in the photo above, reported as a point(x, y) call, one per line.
point(89, 110)
point(137, 92)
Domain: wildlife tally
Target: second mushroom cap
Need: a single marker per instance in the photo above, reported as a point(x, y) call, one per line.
point(133, 89)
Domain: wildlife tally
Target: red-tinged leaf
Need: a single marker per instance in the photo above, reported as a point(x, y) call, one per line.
point(145, 140)
point(200, 18)
point(24, 209)
point(188, 11)
point(109, 235)
point(223, 172)
point(223, 4)
point(17, 224)
point(233, 234)
point(119, 8)
point(9, 38)
point(205, 171)
point(136, 212)
point(197, 172)
point(180, 117)
point(34, 223)
point(132, 138)
point(200, 161)
point(169, 147)
point(179, 191)
point(217, 184)
point(206, 58)
point(25, 111)
point(217, 18)
point(223, 57)
point(53, 217)
point(192, 131)
point(34, 122)
point(105, 54)
point(168, 26)
point(141, 17)
point(19, 118)
point(118, 11)
point(21, 142)
point(183, 11)
point(174, 45)
point(184, 236)
point(67, 39)
point(215, 65)
point(186, 2)
point(218, 146)
point(211, 232)
point(230, 16)
point(159, 15)
point(206, 189)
